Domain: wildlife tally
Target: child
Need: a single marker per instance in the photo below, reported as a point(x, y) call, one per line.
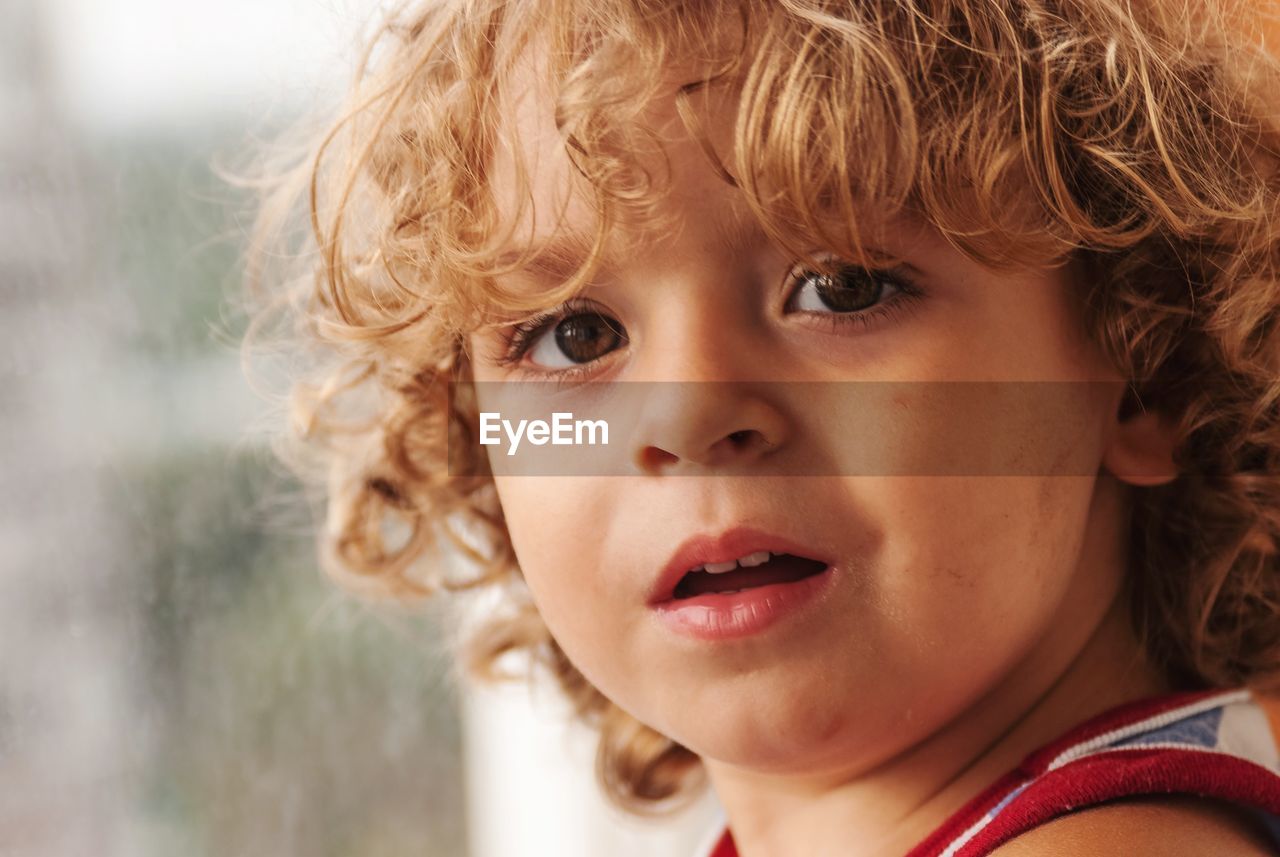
point(1066, 644)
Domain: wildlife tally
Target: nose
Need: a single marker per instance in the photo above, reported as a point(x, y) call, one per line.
point(698, 413)
point(699, 426)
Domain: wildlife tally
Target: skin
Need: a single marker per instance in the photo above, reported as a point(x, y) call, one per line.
point(1147, 827)
point(976, 617)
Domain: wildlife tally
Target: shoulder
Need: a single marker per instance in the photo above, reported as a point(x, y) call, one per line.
point(1156, 826)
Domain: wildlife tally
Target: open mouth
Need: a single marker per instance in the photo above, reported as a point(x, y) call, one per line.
point(748, 573)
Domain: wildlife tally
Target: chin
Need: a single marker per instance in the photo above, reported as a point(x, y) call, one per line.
point(790, 732)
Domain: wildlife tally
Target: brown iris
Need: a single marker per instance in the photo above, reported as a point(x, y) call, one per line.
point(849, 290)
point(586, 336)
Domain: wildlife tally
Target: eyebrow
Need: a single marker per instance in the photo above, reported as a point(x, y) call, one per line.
point(733, 234)
point(557, 258)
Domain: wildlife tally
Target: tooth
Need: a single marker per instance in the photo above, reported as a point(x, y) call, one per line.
point(757, 558)
point(720, 567)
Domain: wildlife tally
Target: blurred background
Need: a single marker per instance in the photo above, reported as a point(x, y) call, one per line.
point(177, 677)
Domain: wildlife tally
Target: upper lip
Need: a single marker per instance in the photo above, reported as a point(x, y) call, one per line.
point(731, 544)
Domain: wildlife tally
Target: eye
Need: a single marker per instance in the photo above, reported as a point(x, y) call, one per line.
point(850, 289)
point(569, 336)
point(577, 338)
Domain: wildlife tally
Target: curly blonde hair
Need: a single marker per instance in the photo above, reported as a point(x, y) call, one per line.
point(1137, 138)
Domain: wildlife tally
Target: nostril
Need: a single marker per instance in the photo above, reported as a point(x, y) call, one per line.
point(748, 439)
point(652, 458)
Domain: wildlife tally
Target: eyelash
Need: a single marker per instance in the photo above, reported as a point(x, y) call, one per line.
point(524, 333)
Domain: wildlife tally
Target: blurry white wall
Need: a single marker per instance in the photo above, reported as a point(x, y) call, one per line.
point(531, 789)
point(130, 63)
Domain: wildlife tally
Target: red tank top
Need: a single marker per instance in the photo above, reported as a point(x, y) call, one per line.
point(1219, 744)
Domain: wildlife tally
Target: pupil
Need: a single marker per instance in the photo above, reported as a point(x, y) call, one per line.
point(583, 338)
point(851, 290)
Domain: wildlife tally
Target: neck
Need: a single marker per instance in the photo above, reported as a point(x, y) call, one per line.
point(1080, 668)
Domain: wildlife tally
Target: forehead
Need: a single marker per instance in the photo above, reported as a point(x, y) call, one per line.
point(552, 206)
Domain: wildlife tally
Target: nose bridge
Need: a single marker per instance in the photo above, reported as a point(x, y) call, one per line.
point(705, 331)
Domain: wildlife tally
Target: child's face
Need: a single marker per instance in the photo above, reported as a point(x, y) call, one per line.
point(941, 587)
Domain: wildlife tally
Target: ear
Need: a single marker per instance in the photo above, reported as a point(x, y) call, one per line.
point(1141, 448)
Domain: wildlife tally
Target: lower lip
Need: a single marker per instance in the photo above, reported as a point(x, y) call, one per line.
point(716, 616)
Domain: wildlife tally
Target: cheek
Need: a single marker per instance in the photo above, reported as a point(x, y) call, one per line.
point(561, 529)
point(990, 500)
point(945, 429)
point(550, 521)
point(980, 568)
point(998, 535)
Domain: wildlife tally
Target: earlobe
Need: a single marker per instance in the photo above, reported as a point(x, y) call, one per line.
point(1141, 450)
